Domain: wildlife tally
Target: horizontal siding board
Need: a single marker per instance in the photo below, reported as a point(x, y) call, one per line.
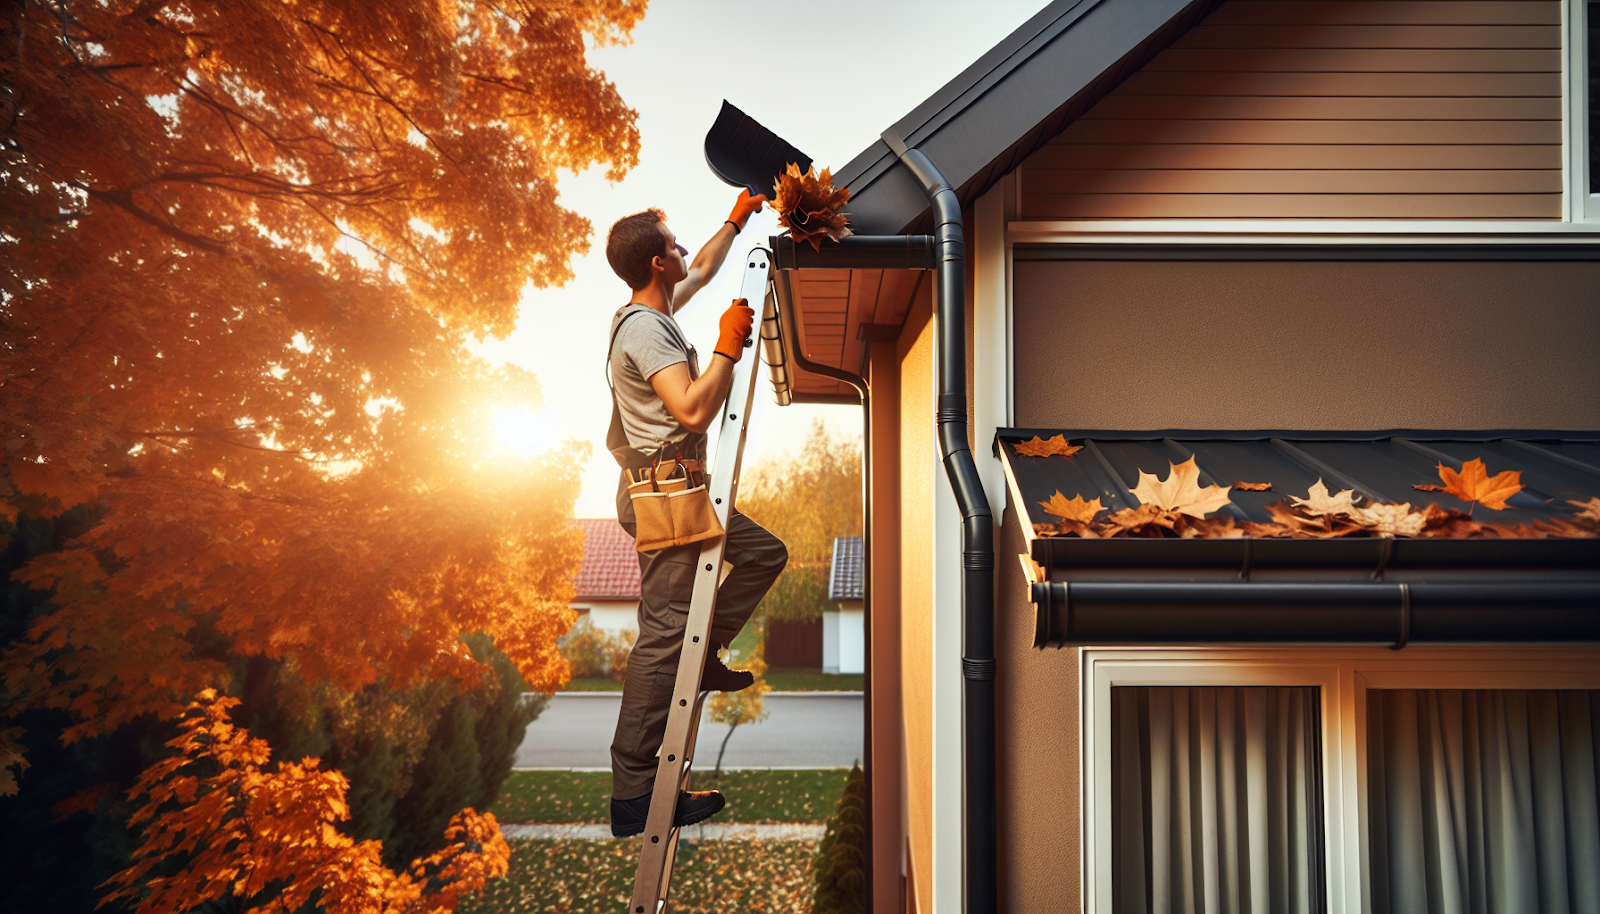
point(1234, 107)
point(1394, 12)
point(1291, 206)
point(813, 289)
point(1299, 131)
point(1265, 156)
point(1356, 60)
point(1286, 181)
point(1308, 85)
point(1372, 36)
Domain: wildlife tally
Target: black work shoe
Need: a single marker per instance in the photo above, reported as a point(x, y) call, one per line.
point(628, 816)
point(716, 677)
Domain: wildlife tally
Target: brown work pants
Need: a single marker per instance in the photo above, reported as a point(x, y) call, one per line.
point(666, 585)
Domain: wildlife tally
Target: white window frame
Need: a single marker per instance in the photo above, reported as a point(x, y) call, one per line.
point(1343, 676)
point(1581, 205)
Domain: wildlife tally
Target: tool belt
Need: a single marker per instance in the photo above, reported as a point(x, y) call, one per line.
point(671, 505)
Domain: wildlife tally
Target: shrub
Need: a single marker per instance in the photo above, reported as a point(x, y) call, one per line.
point(839, 870)
point(592, 651)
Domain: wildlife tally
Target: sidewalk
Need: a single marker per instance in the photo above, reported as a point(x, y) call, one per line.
point(802, 730)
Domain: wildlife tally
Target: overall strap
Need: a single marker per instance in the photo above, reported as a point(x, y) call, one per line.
point(616, 436)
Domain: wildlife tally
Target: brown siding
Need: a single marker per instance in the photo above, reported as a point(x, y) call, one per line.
point(1307, 345)
point(884, 686)
point(916, 585)
point(1306, 109)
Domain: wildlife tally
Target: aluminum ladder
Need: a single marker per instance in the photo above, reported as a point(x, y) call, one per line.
point(653, 880)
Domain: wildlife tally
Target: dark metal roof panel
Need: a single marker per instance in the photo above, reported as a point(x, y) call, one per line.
point(1556, 466)
point(993, 111)
point(846, 576)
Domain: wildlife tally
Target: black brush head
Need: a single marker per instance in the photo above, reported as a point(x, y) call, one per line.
point(745, 154)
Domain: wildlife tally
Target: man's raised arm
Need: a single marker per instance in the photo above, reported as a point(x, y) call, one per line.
point(695, 402)
point(708, 260)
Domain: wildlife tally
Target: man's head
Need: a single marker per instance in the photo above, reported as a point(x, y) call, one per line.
point(641, 247)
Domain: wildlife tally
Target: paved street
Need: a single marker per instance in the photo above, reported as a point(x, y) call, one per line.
point(802, 730)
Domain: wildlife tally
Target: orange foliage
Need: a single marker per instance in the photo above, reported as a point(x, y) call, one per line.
point(1054, 446)
point(809, 206)
point(1474, 484)
point(246, 247)
point(242, 831)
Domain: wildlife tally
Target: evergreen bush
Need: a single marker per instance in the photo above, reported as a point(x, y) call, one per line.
point(839, 872)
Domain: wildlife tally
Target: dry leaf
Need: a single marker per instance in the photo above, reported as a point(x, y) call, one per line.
point(808, 205)
point(1475, 484)
point(1221, 527)
point(1320, 526)
point(1319, 502)
point(1180, 491)
point(1392, 520)
point(1428, 487)
point(1046, 447)
point(1590, 509)
point(1253, 486)
point(1145, 520)
point(1075, 509)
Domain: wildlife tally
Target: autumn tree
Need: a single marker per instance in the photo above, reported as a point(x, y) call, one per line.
point(245, 246)
point(806, 500)
point(742, 707)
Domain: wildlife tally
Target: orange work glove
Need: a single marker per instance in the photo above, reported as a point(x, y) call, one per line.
point(735, 326)
point(743, 207)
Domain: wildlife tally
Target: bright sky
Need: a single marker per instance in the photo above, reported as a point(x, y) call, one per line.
point(773, 60)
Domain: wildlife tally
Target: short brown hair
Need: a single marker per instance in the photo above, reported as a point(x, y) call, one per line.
point(633, 242)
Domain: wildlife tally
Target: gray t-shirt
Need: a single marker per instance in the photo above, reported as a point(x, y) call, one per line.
point(646, 344)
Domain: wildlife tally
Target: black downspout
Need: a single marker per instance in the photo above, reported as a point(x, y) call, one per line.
point(979, 802)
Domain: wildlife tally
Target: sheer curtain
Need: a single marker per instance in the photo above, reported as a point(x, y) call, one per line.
point(1483, 801)
point(1217, 794)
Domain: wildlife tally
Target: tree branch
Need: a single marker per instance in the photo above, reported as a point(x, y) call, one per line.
point(123, 200)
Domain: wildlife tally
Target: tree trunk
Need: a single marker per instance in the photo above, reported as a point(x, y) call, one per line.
point(718, 773)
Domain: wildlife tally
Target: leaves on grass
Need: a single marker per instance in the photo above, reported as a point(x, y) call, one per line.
point(1056, 446)
point(809, 206)
point(1474, 484)
point(1180, 491)
point(1253, 486)
point(1074, 510)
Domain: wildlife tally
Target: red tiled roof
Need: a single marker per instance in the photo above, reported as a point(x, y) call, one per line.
point(610, 567)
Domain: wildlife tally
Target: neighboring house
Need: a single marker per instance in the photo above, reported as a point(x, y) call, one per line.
point(1346, 240)
point(844, 646)
point(608, 580)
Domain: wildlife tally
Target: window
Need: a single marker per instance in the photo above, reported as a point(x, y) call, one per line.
point(1583, 109)
point(1411, 757)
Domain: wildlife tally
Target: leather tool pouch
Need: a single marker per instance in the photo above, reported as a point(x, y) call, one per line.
point(671, 506)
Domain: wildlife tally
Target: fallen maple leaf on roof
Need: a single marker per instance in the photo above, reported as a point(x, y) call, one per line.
point(1474, 484)
point(808, 205)
point(1428, 487)
point(1392, 520)
point(1253, 486)
point(1180, 491)
point(1047, 447)
point(1319, 502)
point(1590, 509)
point(1074, 509)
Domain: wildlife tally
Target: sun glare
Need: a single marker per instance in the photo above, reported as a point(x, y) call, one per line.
point(523, 431)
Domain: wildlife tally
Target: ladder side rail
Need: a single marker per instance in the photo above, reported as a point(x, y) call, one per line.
point(664, 891)
point(677, 743)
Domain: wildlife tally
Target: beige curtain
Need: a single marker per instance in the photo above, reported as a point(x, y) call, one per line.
point(1217, 799)
point(1483, 801)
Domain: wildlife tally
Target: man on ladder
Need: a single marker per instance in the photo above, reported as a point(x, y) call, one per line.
point(663, 405)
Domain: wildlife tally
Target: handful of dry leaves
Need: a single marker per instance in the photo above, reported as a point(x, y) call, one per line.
point(808, 205)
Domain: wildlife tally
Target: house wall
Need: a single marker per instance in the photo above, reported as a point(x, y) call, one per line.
point(886, 751)
point(1211, 345)
point(917, 450)
point(1303, 110)
point(614, 616)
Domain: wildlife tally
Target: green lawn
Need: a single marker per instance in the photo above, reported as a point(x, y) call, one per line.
point(593, 684)
point(796, 679)
point(582, 877)
point(754, 795)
